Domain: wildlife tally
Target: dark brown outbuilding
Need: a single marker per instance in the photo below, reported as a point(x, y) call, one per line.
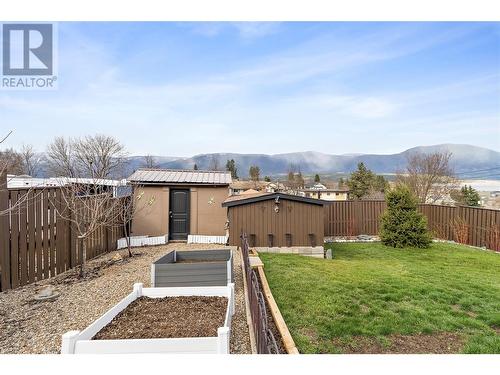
point(275, 220)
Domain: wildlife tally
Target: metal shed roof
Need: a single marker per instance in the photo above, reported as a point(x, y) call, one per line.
point(180, 176)
point(237, 200)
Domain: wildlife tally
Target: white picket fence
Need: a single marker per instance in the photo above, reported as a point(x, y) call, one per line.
point(138, 241)
point(76, 342)
point(198, 238)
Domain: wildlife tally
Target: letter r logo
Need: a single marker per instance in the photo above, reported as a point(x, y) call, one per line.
point(27, 49)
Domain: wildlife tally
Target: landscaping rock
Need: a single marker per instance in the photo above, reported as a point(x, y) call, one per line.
point(47, 293)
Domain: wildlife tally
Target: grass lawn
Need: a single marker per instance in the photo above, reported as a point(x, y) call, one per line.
point(371, 298)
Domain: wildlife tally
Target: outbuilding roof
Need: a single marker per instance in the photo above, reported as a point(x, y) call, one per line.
point(180, 176)
point(237, 200)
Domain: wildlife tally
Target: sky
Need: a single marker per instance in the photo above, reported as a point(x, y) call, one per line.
point(181, 89)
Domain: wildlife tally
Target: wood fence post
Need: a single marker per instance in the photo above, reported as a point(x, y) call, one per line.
point(4, 234)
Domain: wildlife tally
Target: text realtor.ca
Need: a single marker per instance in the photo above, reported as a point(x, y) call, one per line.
point(28, 56)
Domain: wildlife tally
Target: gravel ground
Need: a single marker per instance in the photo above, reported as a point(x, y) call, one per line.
point(240, 336)
point(31, 327)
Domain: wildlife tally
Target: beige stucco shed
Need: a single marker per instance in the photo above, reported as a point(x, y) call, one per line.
point(177, 203)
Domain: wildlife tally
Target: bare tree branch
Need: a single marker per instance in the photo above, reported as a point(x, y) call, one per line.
point(31, 162)
point(150, 162)
point(429, 176)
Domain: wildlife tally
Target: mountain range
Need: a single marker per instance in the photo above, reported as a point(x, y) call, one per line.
point(468, 161)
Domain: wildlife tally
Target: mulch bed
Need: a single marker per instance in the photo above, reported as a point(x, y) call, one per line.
point(148, 318)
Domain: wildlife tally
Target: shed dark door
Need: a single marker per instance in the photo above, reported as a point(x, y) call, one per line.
point(179, 214)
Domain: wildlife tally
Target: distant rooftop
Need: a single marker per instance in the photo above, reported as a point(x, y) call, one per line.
point(180, 176)
point(24, 181)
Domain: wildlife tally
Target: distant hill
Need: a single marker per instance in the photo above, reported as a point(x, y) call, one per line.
point(466, 158)
point(469, 161)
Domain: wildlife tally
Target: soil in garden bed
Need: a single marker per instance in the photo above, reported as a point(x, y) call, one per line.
point(148, 318)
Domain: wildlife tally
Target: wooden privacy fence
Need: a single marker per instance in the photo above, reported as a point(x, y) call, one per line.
point(473, 226)
point(36, 243)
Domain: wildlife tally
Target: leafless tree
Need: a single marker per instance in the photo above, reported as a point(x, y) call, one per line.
point(295, 180)
point(3, 177)
point(88, 204)
point(61, 158)
point(130, 207)
point(31, 161)
point(98, 155)
point(429, 176)
point(150, 162)
point(11, 161)
point(214, 163)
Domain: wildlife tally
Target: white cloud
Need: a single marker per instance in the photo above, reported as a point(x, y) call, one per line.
point(245, 30)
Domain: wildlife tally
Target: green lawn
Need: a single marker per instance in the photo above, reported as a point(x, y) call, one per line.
point(370, 295)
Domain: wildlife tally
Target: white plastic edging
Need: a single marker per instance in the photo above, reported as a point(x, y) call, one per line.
point(75, 342)
point(198, 238)
point(138, 241)
point(229, 265)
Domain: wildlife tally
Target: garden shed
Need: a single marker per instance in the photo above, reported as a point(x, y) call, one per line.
point(185, 203)
point(275, 220)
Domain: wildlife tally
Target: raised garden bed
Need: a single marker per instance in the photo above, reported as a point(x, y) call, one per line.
point(193, 268)
point(160, 320)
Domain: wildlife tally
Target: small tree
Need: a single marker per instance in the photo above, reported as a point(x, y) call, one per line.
point(361, 181)
point(150, 162)
point(87, 203)
point(467, 196)
point(402, 225)
point(254, 173)
point(195, 167)
point(214, 163)
point(231, 167)
point(128, 208)
point(317, 178)
point(267, 178)
point(380, 184)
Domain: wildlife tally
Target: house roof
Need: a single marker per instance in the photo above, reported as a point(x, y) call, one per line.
point(249, 192)
point(339, 190)
point(237, 200)
point(244, 184)
point(180, 176)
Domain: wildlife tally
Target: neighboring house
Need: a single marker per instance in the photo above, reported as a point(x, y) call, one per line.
point(238, 187)
point(320, 191)
point(28, 182)
point(185, 202)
